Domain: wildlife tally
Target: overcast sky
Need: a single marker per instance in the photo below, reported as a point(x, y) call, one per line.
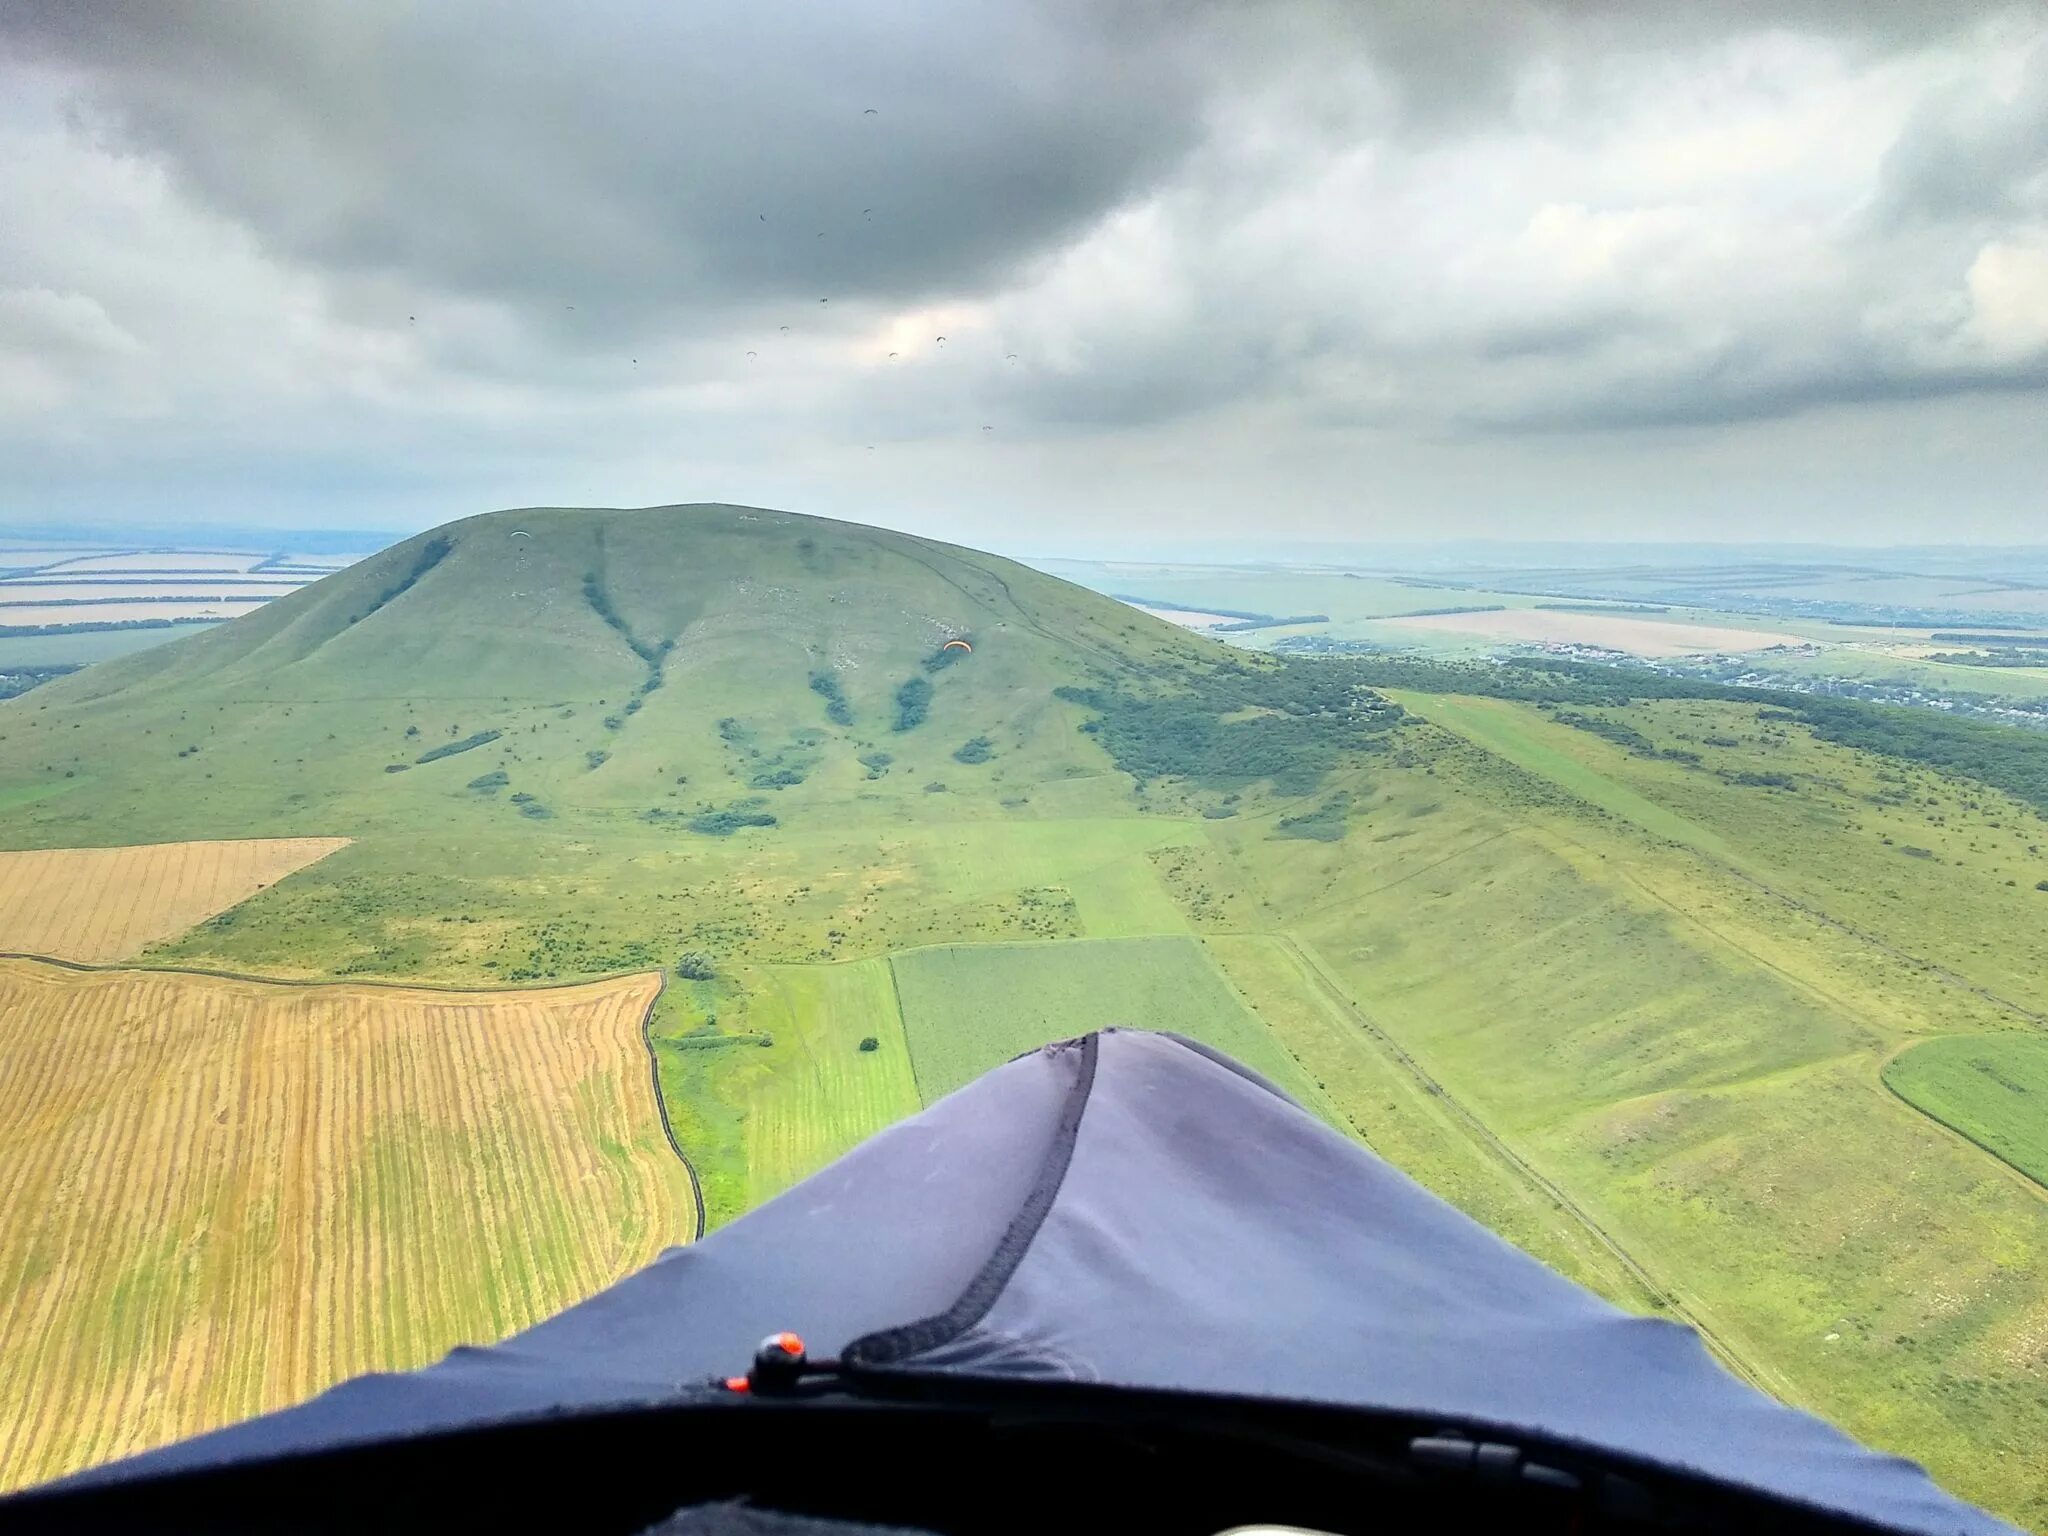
point(1323, 271)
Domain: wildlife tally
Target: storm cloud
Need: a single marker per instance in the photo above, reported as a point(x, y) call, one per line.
point(387, 263)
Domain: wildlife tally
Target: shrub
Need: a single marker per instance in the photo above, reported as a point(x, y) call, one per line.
point(726, 822)
point(978, 750)
point(695, 965)
point(490, 783)
point(596, 758)
point(913, 704)
point(467, 744)
point(870, 1043)
point(837, 709)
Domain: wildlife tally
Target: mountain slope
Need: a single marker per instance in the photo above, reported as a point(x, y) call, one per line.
point(615, 653)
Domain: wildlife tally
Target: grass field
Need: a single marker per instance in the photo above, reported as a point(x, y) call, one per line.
point(1990, 1088)
point(95, 904)
point(838, 1094)
point(970, 1007)
point(1690, 1044)
point(219, 1197)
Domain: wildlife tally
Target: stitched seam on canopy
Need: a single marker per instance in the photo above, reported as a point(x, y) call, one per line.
point(893, 1345)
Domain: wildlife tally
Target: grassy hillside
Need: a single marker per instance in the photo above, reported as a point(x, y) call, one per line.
point(1616, 962)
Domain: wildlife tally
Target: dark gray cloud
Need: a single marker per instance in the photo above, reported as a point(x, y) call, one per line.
point(548, 252)
point(640, 159)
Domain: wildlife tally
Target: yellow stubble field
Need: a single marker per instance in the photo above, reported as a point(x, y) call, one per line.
point(218, 1197)
point(99, 904)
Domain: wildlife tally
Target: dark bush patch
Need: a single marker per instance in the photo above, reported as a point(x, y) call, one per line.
point(913, 704)
point(837, 709)
point(723, 823)
point(450, 749)
point(490, 783)
point(1324, 824)
point(978, 750)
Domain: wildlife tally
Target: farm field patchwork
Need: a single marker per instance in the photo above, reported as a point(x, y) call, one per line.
point(1637, 636)
point(1990, 1088)
point(110, 585)
point(219, 1197)
point(110, 606)
point(99, 904)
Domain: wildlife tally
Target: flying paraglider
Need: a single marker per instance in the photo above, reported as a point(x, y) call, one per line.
point(956, 644)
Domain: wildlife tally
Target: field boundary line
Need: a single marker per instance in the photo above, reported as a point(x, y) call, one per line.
point(668, 1129)
point(2033, 1185)
point(896, 996)
point(482, 989)
point(186, 842)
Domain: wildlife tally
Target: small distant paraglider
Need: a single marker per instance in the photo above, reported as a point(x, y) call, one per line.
point(956, 644)
point(785, 330)
point(942, 341)
point(868, 112)
point(750, 357)
point(1011, 358)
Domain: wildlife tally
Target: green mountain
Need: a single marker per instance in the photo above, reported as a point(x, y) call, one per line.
point(616, 654)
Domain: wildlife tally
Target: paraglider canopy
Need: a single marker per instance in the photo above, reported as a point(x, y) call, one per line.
point(957, 644)
point(1120, 1275)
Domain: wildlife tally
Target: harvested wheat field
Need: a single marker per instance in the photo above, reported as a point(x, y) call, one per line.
point(218, 1197)
point(100, 904)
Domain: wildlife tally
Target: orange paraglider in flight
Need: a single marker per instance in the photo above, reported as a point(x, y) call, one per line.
point(956, 645)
